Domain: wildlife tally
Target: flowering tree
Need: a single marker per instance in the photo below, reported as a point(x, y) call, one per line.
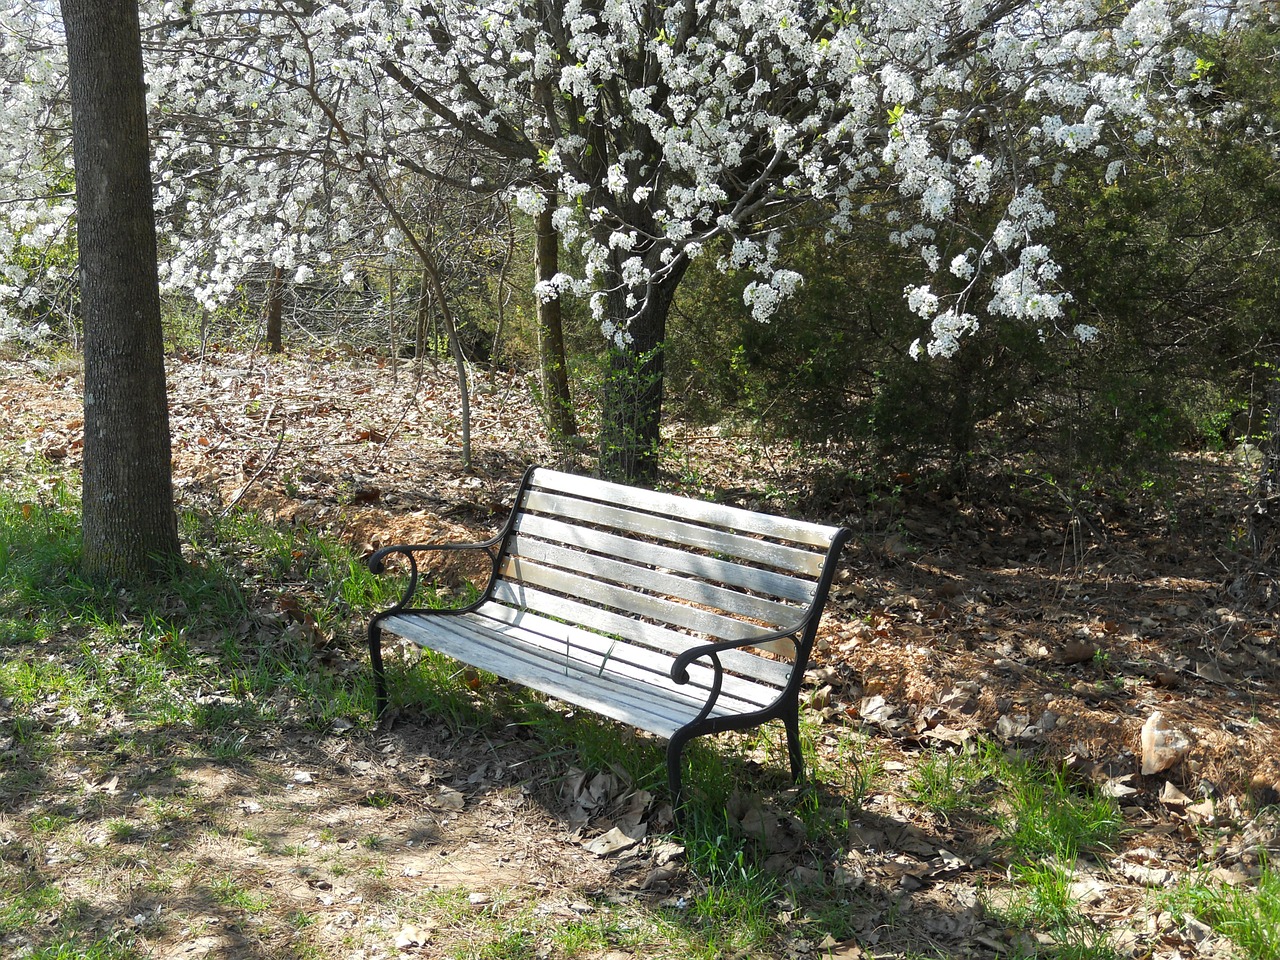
point(665, 133)
point(36, 189)
point(676, 131)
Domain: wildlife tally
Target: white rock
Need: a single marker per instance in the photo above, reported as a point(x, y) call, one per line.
point(1163, 745)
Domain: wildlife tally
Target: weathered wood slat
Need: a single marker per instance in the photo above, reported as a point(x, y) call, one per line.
point(611, 697)
point(700, 511)
point(632, 576)
point(524, 596)
point(764, 582)
point(629, 601)
point(677, 531)
point(738, 697)
point(599, 652)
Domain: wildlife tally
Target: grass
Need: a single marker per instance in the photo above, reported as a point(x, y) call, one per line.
point(948, 782)
point(1041, 823)
point(1043, 902)
point(210, 624)
point(262, 630)
point(1248, 916)
point(194, 665)
point(76, 949)
point(231, 891)
point(1038, 812)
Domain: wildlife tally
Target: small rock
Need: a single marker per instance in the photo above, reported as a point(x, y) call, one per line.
point(1076, 651)
point(1163, 745)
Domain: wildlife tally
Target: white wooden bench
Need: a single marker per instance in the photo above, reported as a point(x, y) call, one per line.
point(678, 616)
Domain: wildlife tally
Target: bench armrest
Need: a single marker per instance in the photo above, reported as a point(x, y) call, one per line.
point(680, 667)
point(377, 562)
point(712, 651)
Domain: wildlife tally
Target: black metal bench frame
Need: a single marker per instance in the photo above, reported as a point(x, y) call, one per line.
point(679, 616)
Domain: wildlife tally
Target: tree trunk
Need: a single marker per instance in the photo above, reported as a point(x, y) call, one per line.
point(275, 311)
point(422, 326)
point(130, 528)
point(431, 274)
point(391, 323)
point(631, 406)
point(1264, 514)
point(555, 374)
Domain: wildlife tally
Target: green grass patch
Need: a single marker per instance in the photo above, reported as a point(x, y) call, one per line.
point(1248, 916)
point(1043, 902)
point(77, 949)
point(1042, 823)
point(232, 891)
point(948, 782)
point(255, 611)
point(1038, 812)
point(21, 906)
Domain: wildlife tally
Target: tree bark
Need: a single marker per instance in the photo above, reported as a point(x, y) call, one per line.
point(423, 326)
point(275, 311)
point(130, 529)
point(555, 373)
point(1264, 514)
point(431, 274)
point(631, 405)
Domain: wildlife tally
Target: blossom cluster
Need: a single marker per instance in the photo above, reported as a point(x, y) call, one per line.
point(299, 136)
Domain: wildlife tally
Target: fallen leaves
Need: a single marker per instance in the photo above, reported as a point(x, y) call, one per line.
point(448, 800)
point(947, 635)
point(616, 840)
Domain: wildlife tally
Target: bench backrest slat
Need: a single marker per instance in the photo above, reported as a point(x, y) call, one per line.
point(662, 574)
point(630, 601)
point(764, 582)
point(661, 583)
point(676, 531)
point(699, 511)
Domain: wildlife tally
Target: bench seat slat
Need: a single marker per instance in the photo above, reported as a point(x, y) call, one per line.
point(600, 653)
point(609, 695)
point(701, 511)
point(677, 531)
point(764, 582)
point(523, 596)
point(632, 576)
point(738, 696)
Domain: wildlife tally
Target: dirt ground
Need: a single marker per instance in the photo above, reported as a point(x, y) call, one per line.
point(1016, 614)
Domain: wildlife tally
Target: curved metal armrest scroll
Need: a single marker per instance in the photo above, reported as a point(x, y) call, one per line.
point(680, 668)
point(377, 562)
point(711, 651)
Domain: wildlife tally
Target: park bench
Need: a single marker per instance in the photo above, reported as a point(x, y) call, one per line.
point(677, 616)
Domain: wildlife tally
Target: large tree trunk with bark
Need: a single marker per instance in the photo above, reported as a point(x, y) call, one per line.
point(631, 407)
point(555, 375)
point(129, 524)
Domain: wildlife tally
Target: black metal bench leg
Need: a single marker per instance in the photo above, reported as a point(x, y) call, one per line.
point(379, 675)
point(675, 774)
point(791, 720)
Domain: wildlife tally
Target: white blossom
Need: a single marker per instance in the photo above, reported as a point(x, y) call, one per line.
point(280, 139)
